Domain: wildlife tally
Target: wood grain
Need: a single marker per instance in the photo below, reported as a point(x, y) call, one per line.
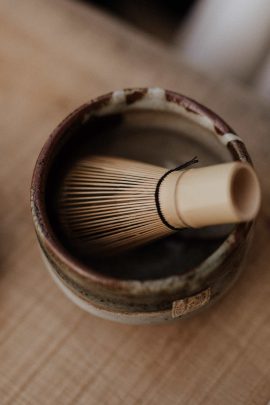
point(54, 56)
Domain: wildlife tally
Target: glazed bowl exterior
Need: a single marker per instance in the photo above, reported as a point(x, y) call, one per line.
point(136, 301)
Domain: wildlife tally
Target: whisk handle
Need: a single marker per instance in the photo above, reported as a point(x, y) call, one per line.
point(219, 194)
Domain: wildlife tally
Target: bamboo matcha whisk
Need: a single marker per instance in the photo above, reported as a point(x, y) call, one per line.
point(109, 203)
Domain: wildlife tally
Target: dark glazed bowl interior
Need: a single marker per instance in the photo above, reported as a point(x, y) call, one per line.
point(160, 137)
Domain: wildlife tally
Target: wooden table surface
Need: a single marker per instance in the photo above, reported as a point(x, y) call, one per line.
point(54, 56)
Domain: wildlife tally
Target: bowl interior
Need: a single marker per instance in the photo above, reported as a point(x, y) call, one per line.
point(162, 138)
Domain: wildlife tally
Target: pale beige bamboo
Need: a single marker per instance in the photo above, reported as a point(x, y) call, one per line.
point(109, 203)
point(219, 194)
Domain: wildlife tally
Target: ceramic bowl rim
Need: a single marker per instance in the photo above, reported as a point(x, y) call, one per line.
point(45, 232)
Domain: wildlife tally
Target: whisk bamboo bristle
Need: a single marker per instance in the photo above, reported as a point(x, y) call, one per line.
point(107, 203)
point(110, 203)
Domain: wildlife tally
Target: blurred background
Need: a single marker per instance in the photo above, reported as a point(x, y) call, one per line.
point(56, 55)
point(230, 38)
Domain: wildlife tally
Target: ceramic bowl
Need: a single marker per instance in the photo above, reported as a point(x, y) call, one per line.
point(170, 278)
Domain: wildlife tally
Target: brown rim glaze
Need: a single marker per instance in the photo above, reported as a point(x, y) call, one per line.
point(43, 164)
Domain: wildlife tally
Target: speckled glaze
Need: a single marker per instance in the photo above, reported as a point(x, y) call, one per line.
point(136, 301)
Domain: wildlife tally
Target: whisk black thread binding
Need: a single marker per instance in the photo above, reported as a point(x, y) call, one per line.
point(181, 167)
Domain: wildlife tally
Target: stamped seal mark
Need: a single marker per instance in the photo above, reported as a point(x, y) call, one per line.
point(189, 304)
